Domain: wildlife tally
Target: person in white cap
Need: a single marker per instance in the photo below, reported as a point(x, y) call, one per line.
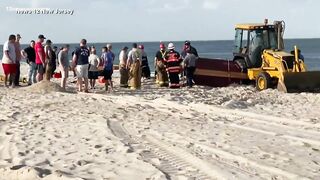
point(173, 61)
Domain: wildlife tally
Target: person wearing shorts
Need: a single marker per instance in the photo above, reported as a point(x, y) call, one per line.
point(9, 60)
point(108, 59)
point(40, 58)
point(64, 65)
point(81, 59)
point(94, 62)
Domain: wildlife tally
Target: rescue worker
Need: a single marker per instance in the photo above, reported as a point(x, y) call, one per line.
point(188, 48)
point(161, 73)
point(173, 61)
point(134, 66)
point(144, 63)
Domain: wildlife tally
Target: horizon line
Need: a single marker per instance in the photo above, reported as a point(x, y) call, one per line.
point(165, 41)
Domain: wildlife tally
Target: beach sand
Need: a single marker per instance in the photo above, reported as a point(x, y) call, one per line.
point(158, 133)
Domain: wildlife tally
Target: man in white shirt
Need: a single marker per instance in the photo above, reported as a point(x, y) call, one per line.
point(9, 60)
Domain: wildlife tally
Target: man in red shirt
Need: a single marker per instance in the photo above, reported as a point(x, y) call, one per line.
point(40, 58)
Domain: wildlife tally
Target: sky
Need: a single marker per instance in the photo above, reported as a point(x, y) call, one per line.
point(154, 20)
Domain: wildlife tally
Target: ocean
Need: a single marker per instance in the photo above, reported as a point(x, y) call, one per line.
point(213, 49)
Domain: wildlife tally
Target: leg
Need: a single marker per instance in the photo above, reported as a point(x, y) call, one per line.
point(16, 79)
point(34, 73)
point(189, 78)
point(12, 76)
point(94, 83)
point(111, 84)
point(6, 80)
point(30, 73)
point(79, 84)
point(86, 81)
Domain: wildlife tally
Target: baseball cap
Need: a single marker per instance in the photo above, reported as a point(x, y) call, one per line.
point(41, 36)
point(187, 43)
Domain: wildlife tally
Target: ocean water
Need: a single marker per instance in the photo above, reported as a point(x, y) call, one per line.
point(213, 49)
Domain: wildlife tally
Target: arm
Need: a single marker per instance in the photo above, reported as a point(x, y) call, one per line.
point(40, 53)
point(74, 60)
point(7, 55)
point(60, 58)
point(129, 60)
point(99, 61)
point(24, 54)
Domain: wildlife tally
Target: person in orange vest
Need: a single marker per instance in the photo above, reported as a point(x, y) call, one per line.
point(173, 61)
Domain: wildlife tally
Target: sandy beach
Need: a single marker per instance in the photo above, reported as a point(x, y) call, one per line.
point(158, 133)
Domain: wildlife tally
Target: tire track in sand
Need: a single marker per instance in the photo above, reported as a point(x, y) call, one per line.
point(187, 164)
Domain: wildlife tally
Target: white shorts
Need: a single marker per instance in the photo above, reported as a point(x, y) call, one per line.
point(82, 71)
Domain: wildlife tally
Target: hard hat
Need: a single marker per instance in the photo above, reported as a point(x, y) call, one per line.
point(171, 46)
point(141, 46)
point(162, 45)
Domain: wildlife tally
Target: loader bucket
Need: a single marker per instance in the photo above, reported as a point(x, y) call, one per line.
point(300, 82)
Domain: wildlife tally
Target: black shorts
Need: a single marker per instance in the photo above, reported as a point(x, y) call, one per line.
point(40, 69)
point(93, 75)
point(107, 74)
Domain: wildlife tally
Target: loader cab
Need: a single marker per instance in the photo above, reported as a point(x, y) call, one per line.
point(250, 41)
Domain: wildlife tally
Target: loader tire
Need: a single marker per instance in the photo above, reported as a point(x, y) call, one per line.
point(263, 81)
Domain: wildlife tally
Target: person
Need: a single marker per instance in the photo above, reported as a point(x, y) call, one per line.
point(300, 56)
point(134, 66)
point(161, 75)
point(81, 61)
point(30, 55)
point(190, 65)
point(94, 62)
point(49, 59)
point(9, 60)
point(172, 61)
point(108, 59)
point(73, 66)
point(64, 65)
point(54, 59)
point(40, 58)
point(17, 45)
point(187, 47)
point(144, 63)
point(124, 76)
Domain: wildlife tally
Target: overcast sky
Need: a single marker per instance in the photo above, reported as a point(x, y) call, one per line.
point(155, 20)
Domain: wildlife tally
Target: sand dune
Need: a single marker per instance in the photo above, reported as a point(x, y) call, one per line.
point(158, 133)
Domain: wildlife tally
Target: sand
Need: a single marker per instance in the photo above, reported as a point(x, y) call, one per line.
point(158, 133)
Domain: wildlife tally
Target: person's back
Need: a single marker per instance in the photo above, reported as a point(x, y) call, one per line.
point(39, 50)
point(123, 56)
point(144, 59)
point(110, 59)
point(190, 63)
point(82, 54)
point(63, 59)
point(94, 62)
point(10, 48)
point(190, 60)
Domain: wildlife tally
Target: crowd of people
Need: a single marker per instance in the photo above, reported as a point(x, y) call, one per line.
point(44, 60)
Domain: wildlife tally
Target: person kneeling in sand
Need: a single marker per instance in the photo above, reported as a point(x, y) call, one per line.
point(64, 65)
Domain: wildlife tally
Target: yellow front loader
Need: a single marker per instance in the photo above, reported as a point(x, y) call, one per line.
point(259, 50)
